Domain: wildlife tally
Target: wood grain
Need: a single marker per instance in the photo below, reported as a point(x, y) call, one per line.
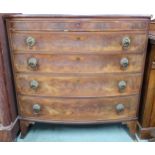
point(106, 85)
point(78, 109)
point(147, 108)
point(78, 67)
point(86, 24)
point(147, 98)
point(78, 63)
point(78, 42)
point(152, 28)
point(8, 112)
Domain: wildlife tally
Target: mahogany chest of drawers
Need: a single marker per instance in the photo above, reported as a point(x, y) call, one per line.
point(77, 69)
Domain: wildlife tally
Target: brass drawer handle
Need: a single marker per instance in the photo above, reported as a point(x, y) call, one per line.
point(30, 41)
point(36, 108)
point(120, 108)
point(34, 84)
point(32, 63)
point(124, 62)
point(121, 85)
point(126, 42)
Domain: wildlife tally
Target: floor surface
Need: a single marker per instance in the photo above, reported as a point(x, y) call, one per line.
point(69, 133)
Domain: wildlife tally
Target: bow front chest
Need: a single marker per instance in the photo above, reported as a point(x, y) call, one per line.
point(77, 69)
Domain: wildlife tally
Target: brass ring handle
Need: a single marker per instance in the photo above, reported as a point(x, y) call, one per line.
point(119, 108)
point(126, 42)
point(30, 41)
point(124, 62)
point(32, 62)
point(122, 85)
point(34, 84)
point(36, 108)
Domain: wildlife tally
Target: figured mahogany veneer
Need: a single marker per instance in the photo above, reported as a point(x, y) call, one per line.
point(77, 42)
point(77, 23)
point(78, 63)
point(78, 110)
point(78, 69)
point(78, 86)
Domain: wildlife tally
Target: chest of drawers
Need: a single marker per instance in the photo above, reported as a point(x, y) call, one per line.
point(77, 69)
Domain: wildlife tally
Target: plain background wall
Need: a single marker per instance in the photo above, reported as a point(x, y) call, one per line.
point(78, 6)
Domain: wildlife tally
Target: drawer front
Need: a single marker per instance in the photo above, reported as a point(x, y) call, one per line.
point(78, 42)
point(96, 109)
point(84, 24)
point(78, 63)
point(78, 86)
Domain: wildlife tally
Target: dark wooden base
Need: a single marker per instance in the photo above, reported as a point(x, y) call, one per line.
point(132, 126)
point(24, 126)
point(145, 133)
point(9, 133)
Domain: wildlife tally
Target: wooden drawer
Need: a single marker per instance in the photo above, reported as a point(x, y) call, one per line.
point(78, 42)
point(57, 109)
point(76, 24)
point(78, 63)
point(78, 86)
